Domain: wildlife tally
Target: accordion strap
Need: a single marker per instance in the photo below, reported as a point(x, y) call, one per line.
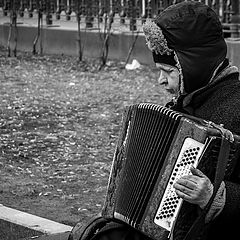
point(227, 137)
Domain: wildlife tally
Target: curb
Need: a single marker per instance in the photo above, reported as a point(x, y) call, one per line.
point(15, 224)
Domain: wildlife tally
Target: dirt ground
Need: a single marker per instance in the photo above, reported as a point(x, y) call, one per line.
point(59, 123)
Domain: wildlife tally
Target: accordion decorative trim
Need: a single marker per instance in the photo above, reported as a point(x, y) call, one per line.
point(155, 39)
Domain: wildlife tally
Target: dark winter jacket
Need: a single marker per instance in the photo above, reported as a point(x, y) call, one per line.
point(219, 103)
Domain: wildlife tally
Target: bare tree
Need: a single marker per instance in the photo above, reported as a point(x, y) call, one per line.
point(13, 30)
point(108, 20)
point(38, 37)
point(81, 44)
point(135, 37)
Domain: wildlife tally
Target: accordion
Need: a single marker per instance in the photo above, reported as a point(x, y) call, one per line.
point(156, 147)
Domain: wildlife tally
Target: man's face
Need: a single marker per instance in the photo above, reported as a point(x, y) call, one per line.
point(169, 77)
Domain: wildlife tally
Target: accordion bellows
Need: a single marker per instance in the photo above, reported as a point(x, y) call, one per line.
point(157, 146)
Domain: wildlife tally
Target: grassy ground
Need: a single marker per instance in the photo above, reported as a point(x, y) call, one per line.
point(59, 123)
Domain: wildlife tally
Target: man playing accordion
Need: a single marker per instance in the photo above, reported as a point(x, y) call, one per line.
point(188, 48)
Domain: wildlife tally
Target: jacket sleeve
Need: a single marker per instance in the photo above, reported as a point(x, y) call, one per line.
point(218, 203)
point(231, 208)
point(226, 224)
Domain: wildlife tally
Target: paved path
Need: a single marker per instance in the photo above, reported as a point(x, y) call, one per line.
point(69, 24)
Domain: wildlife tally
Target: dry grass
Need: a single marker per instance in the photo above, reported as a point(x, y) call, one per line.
point(59, 125)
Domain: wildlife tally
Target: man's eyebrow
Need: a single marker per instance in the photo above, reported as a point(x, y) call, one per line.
point(166, 68)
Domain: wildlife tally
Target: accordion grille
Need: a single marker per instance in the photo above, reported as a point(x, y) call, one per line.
point(150, 127)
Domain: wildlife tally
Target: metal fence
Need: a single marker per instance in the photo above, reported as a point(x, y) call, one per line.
point(131, 11)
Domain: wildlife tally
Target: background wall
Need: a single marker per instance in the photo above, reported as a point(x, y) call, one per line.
point(57, 40)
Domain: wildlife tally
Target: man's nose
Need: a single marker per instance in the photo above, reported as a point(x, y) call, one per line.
point(162, 78)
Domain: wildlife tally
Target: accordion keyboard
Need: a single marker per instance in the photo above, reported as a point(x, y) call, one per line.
point(170, 203)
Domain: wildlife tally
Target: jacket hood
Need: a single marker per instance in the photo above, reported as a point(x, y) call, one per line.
point(193, 31)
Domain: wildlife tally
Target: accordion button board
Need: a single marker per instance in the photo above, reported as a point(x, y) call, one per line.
point(170, 203)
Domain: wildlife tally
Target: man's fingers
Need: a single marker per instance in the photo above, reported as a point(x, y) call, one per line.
point(182, 191)
point(185, 183)
point(197, 172)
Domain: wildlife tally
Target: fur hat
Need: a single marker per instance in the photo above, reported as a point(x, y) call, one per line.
point(188, 35)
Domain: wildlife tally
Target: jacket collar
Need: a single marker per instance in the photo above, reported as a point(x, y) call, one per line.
point(216, 78)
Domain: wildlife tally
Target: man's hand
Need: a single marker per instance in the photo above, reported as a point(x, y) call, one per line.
point(195, 188)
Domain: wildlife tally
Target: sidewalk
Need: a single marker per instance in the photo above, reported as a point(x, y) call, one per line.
point(71, 24)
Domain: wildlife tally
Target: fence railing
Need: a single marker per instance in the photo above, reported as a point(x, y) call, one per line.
point(131, 11)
